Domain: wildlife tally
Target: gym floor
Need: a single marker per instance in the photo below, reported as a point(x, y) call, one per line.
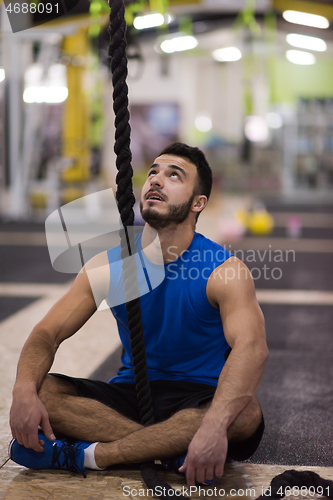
point(293, 278)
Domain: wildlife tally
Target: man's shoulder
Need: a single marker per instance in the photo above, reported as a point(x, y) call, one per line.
point(207, 241)
point(205, 245)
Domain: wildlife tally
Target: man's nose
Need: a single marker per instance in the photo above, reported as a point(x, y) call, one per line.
point(157, 180)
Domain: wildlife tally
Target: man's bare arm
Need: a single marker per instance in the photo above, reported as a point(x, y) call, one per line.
point(66, 317)
point(230, 288)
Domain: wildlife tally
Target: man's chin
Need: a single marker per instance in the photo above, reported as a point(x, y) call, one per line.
point(155, 219)
point(175, 215)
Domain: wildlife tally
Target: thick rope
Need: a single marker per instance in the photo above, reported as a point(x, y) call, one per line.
point(125, 199)
point(283, 485)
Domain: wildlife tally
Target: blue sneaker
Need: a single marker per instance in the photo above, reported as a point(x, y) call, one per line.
point(173, 464)
point(58, 454)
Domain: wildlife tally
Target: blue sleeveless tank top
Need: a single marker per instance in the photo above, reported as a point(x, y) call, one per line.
point(183, 332)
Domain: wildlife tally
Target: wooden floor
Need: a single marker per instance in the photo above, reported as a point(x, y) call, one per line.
point(239, 481)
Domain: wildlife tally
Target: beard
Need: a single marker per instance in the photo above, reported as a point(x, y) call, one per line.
point(176, 214)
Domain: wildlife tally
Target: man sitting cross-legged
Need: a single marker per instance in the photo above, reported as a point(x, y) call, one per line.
point(205, 347)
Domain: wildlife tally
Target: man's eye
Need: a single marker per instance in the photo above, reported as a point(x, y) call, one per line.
point(175, 173)
point(151, 172)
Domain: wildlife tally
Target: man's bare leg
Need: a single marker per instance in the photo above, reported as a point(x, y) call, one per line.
point(82, 418)
point(172, 437)
point(123, 441)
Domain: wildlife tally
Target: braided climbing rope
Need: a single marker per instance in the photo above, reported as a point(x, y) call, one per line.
point(125, 199)
point(284, 483)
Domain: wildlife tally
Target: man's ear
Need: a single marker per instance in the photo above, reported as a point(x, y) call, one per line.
point(200, 203)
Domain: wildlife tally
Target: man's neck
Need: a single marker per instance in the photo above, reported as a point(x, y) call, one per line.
point(173, 240)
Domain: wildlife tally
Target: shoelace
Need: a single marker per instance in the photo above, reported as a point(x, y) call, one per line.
point(68, 463)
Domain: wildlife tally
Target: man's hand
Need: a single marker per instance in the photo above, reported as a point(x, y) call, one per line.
point(206, 454)
point(26, 414)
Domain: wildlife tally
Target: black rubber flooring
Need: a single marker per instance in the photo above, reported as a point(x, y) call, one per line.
point(324, 233)
point(18, 226)
point(296, 392)
point(10, 305)
point(299, 271)
point(28, 264)
point(313, 207)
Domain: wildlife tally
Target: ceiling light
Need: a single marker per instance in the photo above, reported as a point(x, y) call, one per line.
point(2, 75)
point(179, 43)
point(57, 75)
point(151, 21)
point(227, 54)
point(306, 42)
point(50, 95)
point(34, 94)
point(56, 94)
point(50, 88)
point(300, 57)
point(33, 75)
point(203, 123)
point(256, 129)
point(305, 19)
point(274, 120)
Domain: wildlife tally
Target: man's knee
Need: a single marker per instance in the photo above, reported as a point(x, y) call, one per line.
point(248, 432)
point(52, 387)
point(247, 422)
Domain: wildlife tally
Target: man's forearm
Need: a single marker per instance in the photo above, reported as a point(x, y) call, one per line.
point(27, 412)
point(35, 360)
point(238, 383)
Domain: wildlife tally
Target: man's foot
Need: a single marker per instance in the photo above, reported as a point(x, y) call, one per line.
point(58, 454)
point(174, 463)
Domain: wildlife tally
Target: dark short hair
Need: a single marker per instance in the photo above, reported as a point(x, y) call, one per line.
point(196, 156)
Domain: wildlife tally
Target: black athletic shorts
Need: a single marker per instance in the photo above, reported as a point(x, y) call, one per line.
point(168, 397)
